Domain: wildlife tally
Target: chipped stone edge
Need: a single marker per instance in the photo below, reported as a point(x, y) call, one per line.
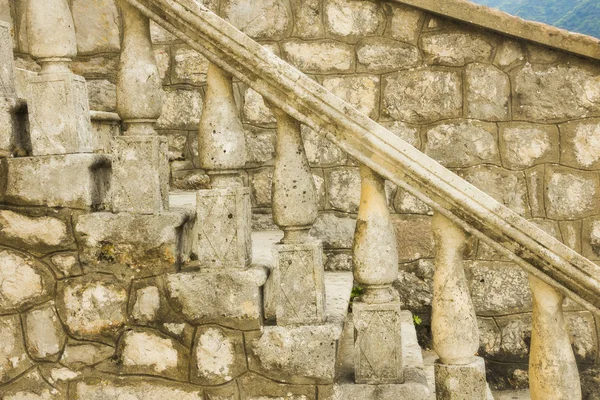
point(504, 23)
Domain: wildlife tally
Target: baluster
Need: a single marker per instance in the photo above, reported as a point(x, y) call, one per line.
point(140, 181)
point(459, 374)
point(552, 368)
point(58, 104)
point(377, 341)
point(224, 211)
point(298, 271)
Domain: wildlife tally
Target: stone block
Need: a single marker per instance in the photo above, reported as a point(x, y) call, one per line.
point(548, 93)
point(260, 146)
point(352, 20)
point(189, 66)
point(422, 95)
point(218, 355)
point(415, 285)
point(319, 56)
point(298, 280)
point(134, 245)
point(508, 53)
point(256, 387)
point(524, 145)
point(7, 77)
point(406, 203)
point(59, 115)
point(140, 181)
point(456, 48)
point(262, 19)
point(24, 282)
point(335, 231)
point(255, 110)
point(78, 181)
point(580, 144)
point(571, 193)
point(181, 109)
point(377, 343)
point(97, 26)
point(362, 92)
point(590, 238)
point(308, 23)
point(320, 151)
point(413, 236)
point(78, 355)
point(463, 143)
point(222, 233)
point(487, 92)
point(228, 297)
point(66, 265)
point(405, 22)
point(12, 132)
point(147, 388)
point(13, 356)
point(343, 186)
point(102, 95)
point(381, 55)
point(406, 132)
point(92, 307)
point(44, 334)
point(461, 382)
point(105, 127)
point(31, 385)
point(100, 65)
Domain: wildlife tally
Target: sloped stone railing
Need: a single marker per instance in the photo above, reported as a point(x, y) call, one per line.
point(555, 269)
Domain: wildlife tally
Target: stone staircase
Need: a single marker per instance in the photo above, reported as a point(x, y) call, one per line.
point(112, 288)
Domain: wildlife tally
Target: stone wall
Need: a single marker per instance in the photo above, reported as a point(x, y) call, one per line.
point(518, 120)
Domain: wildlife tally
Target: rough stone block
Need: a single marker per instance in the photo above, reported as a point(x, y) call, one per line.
point(255, 110)
point(455, 48)
point(105, 127)
point(523, 145)
point(181, 109)
point(140, 181)
point(590, 238)
point(59, 114)
point(13, 356)
point(11, 132)
point(308, 23)
point(44, 333)
point(66, 265)
point(134, 244)
point(320, 151)
point(351, 20)
point(298, 277)
point(222, 233)
point(189, 66)
point(413, 236)
point(78, 181)
point(134, 388)
point(343, 186)
point(508, 53)
point(7, 77)
point(378, 343)
point(463, 143)
point(422, 95)
point(228, 297)
point(335, 231)
point(31, 385)
point(404, 22)
point(571, 193)
point(580, 144)
point(487, 92)
point(102, 94)
point(256, 387)
point(78, 355)
point(23, 282)
point(320, 56)
point(96, 26)
point(360, 91)
point(381, 55)
point(461, 382)
point(218, 355)
point(262, 19)
point(406, 132)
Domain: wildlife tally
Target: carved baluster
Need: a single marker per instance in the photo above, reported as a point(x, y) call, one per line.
point(224, 211)
point(58, 105)
point(140, 164)
point(378, 346)
point(552, 368)
point(298, 271)
point(459, 374)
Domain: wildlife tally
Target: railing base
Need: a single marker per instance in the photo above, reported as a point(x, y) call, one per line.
point(461, 382)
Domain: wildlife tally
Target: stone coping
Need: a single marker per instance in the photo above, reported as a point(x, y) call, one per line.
point(507, 24)
point(104, 116)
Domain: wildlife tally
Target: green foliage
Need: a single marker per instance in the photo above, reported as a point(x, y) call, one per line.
point(357, 291)
point(581, 16)
point(417, 320)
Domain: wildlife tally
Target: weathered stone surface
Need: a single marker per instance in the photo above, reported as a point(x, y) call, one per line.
point(508, 53)
point(159, 35)
point(515, 331)
point(140, 174)
point(260, 146)
point(343, 186)
point(189, 66)
point(320, 151)
point(261, 184)
point(404, 22)
point(591, 238)
point(554, 92)
point(78, 355)
point(408, 133)
point(571, 194)
point(415, 285)
point(422, 95)
point(507, 187)
point(406, 203)
point(264, 19)
point(580, 144)
point(335, 231)
point(523, 145)
point(320, 56)
point(104, 129)
point(72, 180)
point(38, 235)
point(338, 261)
point(13, 357)
point(302, 354)
point(222, 234)
point(487, 92)
point(382, 55)
point(133, 244)
point(59, 115)
point(584, 338)
point(147, 352)
point(44, 334)
point(413, 237)
point(218, 355)
point(541, 54)
point(468, 380)
point(147, 303)
point(498, 288)
point(181, 109)
point(256, 387)
point(66, 264)
point(307, 18)
point(230, 298)
point(490, 337)
point(23, 281)
point(102, 95)
point(134, 388)
point(255, 110)
point(455, 48)
point(162, 54)
point(350, 20)
point(96, 26)
point(463, 143)
point(360, 91)
point(31, 386)
point(92, 307)
point(101, 65)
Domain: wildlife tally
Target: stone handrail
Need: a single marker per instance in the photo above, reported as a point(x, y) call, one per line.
point(305, 100)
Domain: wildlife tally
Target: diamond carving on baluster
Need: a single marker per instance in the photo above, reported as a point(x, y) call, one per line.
point(375, 333)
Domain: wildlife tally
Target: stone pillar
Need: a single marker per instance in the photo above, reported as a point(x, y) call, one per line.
point(552, 368)
point(377, 339)
point(58, 106)
point(459, 374)
point(223, 231)
point(298, 268)
point(140, 163)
